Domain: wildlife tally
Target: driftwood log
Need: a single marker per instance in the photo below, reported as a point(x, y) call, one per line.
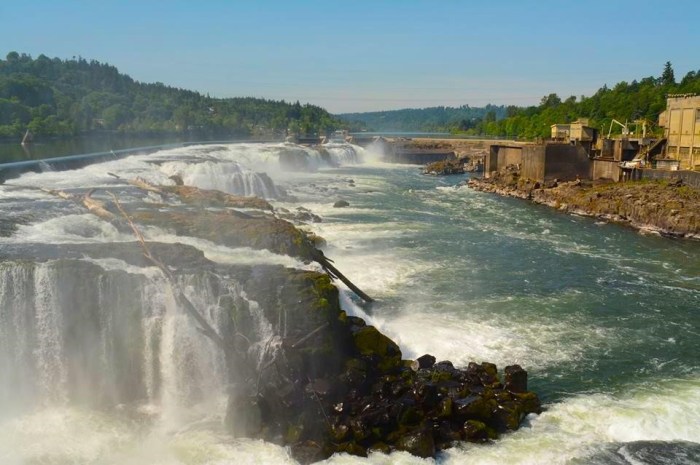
point(318, 256)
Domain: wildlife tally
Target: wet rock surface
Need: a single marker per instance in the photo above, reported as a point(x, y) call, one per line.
point(301, 371)
point(666, 208)
point(213, 198)
point(445, 167)
point(336, 384)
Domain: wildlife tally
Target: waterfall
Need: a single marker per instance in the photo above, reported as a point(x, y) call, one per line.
point(225, 176)
point(345, 154)
point(73, 332)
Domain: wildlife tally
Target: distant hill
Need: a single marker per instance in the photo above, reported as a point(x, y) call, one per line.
point(625, 101)
point(433, 119)
point(54, 97)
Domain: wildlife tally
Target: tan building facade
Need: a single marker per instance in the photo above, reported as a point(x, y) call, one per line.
point(681, 123)
point(578, 131)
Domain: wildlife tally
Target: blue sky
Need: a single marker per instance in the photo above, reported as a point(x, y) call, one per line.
point(367, 55)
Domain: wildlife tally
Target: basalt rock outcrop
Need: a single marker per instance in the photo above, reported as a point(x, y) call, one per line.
point(302, 372)
point(213, 198)
point(336, 384)
point(445, 167)
point(667, 208)
point(326, 381)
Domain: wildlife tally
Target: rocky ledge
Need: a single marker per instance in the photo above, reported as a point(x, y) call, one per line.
point(336, 384)
point(666, 208)
point(317, 380)
point(453, 166)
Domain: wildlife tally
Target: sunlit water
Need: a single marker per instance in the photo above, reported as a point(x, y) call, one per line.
point(604, 319)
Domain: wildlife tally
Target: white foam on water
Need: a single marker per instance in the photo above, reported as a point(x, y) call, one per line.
point(358, 251)
point(61, 436)
point(115, 264)
point(69, 229)
point(227, 255)
point(580, 426)
point(377, 458)
point(74, 436)
point(573, 429)
point(463, 337)
point(230, 177)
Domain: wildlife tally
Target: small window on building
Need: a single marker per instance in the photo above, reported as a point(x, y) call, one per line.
point(684, 151)
point(696, 150)
point(672, 149)
point(697, 116)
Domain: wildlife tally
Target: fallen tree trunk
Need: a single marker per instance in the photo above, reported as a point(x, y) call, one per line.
point(189, 308)
point(334, 273)
point(317, 255)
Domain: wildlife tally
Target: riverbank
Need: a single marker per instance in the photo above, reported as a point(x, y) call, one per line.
point(667, 208)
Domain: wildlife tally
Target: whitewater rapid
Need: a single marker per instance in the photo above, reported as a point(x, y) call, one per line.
point(605, 320)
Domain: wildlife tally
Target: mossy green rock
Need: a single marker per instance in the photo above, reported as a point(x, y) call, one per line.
point(475, 407)
point(339, 432)
point(476, 431)
point(444, 409)
point(369, 342)
point(410, 416)
point(419, 442)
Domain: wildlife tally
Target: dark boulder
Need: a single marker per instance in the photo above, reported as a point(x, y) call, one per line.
point(420, 443)
point(515, 378)
point(425, 361)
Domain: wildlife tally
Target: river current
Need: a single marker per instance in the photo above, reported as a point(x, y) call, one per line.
point(604, 319)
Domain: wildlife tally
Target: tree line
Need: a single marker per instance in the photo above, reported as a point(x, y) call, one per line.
point(626, 101)
point(55, 97)
point(433, 119)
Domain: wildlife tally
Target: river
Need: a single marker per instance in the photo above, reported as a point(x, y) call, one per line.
point(604, 319)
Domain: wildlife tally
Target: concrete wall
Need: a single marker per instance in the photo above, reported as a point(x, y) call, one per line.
point(501, 156)
point(491, 161)
point(542, 162)
point(533, 165)
point(509, 156)
point(605, 169)
point(690, 178)
point(566, 162)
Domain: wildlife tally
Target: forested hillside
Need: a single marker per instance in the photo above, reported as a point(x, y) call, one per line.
point(434, 119)
point(643, 99)
point(635, 100)
point(54, 97)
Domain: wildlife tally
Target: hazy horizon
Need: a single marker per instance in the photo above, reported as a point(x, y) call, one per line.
point(373, 56)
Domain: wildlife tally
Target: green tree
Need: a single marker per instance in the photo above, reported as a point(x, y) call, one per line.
point(667, 77)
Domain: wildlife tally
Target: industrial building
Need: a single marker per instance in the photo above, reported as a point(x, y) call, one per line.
point(681, 123)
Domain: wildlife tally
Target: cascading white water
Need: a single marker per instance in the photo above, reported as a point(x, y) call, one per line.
point(50, 365)
point(345, 154)
point(80, 333)
point(601, 317)
point(79, 336)
point(268, 341)
point(228, 177)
